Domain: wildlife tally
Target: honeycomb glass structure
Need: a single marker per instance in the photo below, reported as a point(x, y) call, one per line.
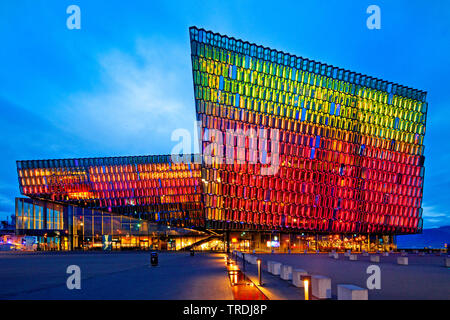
point(151, 187)
point(287, 144)
point(349, 146)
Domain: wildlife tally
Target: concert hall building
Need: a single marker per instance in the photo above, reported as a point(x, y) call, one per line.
point(295, 155)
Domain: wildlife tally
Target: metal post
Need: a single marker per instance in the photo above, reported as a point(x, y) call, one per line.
point(227, 235)
point(259, 271)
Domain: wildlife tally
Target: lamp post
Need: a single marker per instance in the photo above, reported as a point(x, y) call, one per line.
point(306, 285)
point(258, 261)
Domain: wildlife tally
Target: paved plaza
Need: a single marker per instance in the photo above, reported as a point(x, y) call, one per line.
point(425, 277)
point(128, 275)
point(116, 275)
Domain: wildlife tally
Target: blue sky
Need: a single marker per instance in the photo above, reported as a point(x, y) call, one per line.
point(123, 83)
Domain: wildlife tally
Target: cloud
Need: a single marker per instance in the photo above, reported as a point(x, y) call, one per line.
point(7, 205)
point(434, 217)
point(143, 96)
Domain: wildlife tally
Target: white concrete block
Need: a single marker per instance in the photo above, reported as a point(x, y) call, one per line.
point(374, 258)
point(276, 268)
point(447, 262)
point(270, 266)
point(402, 261)
point(336, 256)
point(351, 292)
point(286, 272)
point(296, 277)
point(321, 287)
point(353, 257)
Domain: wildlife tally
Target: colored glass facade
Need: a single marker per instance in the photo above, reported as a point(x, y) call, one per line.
point(150, 187)
point(288, 144)
point(350, 147)
point(61, 226)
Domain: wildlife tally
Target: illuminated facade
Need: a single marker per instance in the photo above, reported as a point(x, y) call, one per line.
point(62, 226)
point(288, 144)
point(149, 187)
point(350, 147)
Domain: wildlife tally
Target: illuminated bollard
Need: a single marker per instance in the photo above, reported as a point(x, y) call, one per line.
point(351, 292)
point(321, 287)
point(297, 277)
point(336, 255)
point(374, 258)
point(353, 257)
point(306, 279)
point(402, 261)
point(258, 262)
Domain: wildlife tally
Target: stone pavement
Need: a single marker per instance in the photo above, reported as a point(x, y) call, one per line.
point(115, 275)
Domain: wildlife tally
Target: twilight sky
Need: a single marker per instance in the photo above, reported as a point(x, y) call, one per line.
point(123, 83)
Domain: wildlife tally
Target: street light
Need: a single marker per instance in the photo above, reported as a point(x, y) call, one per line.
point(258, 261)
point(306, 285)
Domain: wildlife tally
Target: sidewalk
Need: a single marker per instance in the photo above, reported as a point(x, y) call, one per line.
point(273, 287)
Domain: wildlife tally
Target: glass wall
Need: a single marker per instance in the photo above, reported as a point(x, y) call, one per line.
point(349, 147)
